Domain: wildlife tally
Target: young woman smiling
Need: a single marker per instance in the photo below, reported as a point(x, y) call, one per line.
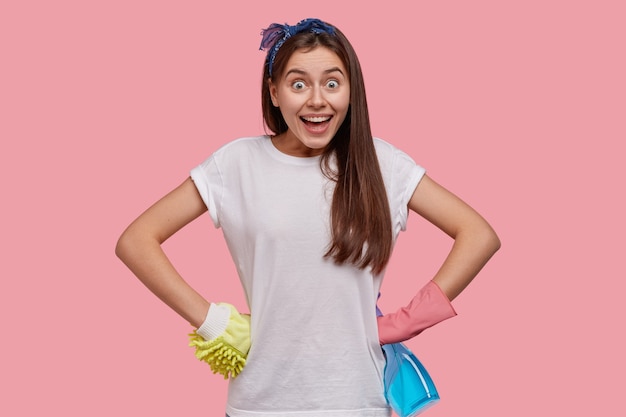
point(310, 214)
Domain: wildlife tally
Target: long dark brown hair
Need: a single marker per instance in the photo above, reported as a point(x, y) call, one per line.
point(361, 227)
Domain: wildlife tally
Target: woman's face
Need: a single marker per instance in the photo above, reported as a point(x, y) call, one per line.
point(313, 95)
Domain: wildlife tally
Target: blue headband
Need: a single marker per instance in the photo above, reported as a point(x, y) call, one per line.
point(276, 34)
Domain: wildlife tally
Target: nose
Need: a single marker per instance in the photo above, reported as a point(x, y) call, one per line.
point(316, 98)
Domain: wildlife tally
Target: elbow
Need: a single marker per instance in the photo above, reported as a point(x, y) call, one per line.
point(496, 244)
point(491, 241)
point(483, 239)
point(120, 246)
point(124, 246)
point(134, 244)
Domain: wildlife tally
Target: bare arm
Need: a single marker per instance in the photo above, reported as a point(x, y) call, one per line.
point(139, 247)
point(474, 239)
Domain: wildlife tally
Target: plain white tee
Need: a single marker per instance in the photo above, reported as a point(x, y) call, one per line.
point(315, 349)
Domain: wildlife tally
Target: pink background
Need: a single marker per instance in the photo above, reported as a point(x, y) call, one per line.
point(518, 107)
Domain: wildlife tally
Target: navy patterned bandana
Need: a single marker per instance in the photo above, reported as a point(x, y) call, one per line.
point(276, 34)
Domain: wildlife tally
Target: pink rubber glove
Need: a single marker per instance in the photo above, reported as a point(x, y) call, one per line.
point(429, 307)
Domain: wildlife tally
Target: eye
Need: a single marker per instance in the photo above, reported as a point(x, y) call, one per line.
point(332, 84)
point(298, 85)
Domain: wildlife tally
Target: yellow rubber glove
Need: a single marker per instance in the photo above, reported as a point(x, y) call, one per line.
point(223, 340)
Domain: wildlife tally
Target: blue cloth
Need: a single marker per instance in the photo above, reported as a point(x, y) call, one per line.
point(276, 34)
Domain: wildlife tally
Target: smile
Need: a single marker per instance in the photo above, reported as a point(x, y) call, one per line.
point(316, 119)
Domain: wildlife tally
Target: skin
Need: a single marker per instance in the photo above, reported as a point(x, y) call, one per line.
point(475, 241)
point(139, 247)
point(313, 85)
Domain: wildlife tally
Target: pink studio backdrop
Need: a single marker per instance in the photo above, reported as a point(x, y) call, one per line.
point(518, 107)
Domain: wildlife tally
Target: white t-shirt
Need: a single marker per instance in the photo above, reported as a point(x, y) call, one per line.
point(315, 349)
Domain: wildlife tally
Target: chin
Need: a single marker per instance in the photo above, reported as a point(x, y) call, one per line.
point(317, 144)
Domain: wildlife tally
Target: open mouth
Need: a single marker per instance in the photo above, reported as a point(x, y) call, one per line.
point(316, 120)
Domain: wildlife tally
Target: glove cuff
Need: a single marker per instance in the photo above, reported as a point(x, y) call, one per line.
point(215, 322)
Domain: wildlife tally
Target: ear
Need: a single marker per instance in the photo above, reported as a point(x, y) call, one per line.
point(273, 93)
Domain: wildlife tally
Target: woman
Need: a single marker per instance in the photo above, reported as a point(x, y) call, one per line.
point(310, 214)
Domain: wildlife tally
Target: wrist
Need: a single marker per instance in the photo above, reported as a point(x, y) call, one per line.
point(215, 322)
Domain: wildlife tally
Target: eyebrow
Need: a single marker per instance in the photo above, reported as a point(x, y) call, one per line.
point(302, 72)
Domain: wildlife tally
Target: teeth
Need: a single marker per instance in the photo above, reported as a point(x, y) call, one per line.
point(317, 119)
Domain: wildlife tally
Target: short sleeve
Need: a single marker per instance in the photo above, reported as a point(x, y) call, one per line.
point(402, 176)
point(209, 182)
point(409, 174)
